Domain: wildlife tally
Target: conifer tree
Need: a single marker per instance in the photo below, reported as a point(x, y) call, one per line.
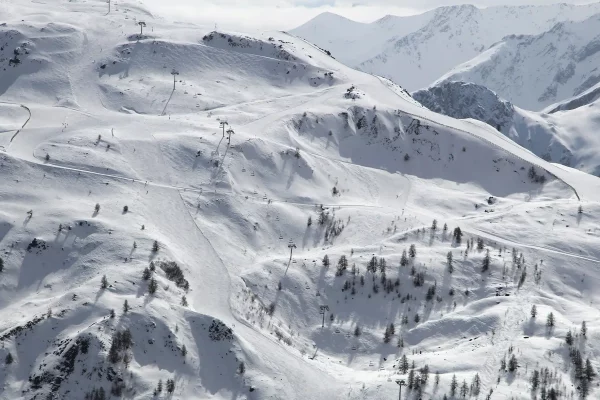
point(485, 264)
point(403, 259)
point(513, 364)
point(152, 286)
point(479, 244)
point(412, 251)
point(550, 320)
point(155, 246)
point(104, 282)
point(372, 265)
point(410, 379)
point(476, 385)
point(404, 364)
point(125, 306)
point(424, 371)
point(170, 385)
point(387, 336)
point(382, 265)
point(449, 259)
point(342, 265)
point(326, 261)
point(535, 380)
point(453, 386)
point(457, 236)
point(589, 370)
point(583, 329)
point(464, 389)
point(533, 311)
point(9, 359)
point(569, 338)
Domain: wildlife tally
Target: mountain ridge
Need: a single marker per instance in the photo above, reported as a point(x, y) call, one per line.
point(408, 51)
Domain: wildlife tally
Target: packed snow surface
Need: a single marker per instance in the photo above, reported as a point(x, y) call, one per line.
point(179, 206)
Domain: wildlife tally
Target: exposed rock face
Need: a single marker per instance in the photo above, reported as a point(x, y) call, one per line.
point(467, 100)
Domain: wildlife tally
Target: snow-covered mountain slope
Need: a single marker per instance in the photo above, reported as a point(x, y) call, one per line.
point(353, 42)
point(531, 130)
point(562, 137)
point(536, 71)
point(586, 98)
point(414, 51)
point(212, 241)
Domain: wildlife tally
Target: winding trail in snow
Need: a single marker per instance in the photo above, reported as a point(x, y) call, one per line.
point(26, 121)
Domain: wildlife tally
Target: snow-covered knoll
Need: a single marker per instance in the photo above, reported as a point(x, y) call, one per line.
point(145, 240)
point(414, 51)
point(535, 71)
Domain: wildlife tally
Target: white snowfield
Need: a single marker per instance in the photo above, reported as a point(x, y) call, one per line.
point(111, 164)
point(416, 50)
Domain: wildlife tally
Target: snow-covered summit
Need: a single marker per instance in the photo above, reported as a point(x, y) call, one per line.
point(534, 71)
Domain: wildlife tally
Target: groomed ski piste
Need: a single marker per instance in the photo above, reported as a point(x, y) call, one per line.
point(111, 164)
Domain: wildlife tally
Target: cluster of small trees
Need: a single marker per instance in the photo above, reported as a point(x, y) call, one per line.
point(333, 226)
point(390, 330)
point(541, 379)
point(583, 370)
point(513, 363)
point(169, 386)
point(464, 390)
point(342, 265)
point(121, 343)
point(96, 394)
point(174, 273)
point(535, 177)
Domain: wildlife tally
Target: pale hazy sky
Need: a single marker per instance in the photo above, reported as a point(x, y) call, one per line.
point(288, 14)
